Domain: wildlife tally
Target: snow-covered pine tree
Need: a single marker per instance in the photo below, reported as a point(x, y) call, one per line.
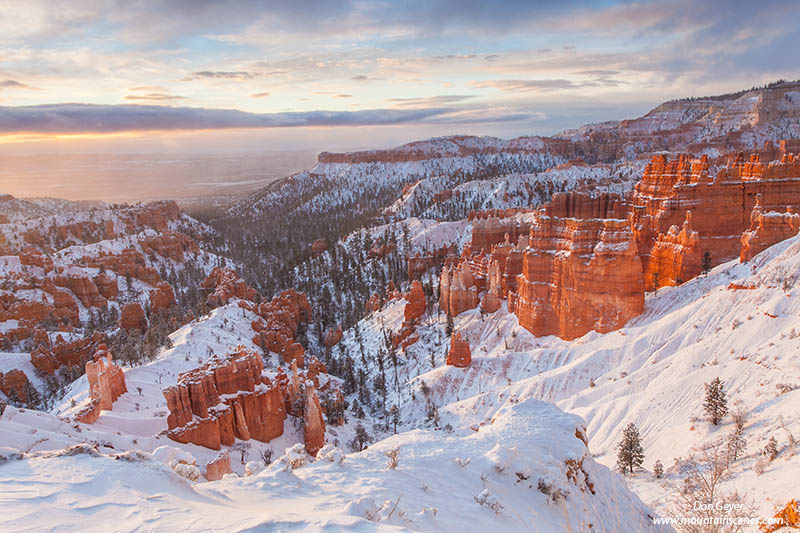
point(715, 405)
point(771, 450)
point(658, 469)
point(630, 454)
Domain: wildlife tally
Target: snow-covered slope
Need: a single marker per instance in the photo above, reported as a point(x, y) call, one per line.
point(740, 323)
point(527, 470)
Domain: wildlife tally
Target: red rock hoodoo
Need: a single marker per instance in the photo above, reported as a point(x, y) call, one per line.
point(224, 284)
point(162, 297)
point(332, 337)
point(720, 206)
point(766, 229)
point(251, 407)
point(220, 466)
point(106, 384)
point(132, 317)
point(313, 424)
point(459, 354)
point(415, 306)
point(318, 247)
point(14, 383)
point(579, 275)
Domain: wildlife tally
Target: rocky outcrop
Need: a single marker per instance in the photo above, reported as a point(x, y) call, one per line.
point(458, 291)
point(158, 215)
point(419, 263)
point(162, 297)
point(14, 384)
point(222, 284)
point(48, 358)
point(169, 245)
point(106, 384)
point(128, 263)
point(313, 424)
point(225, 399)
point(107, 286)
point(83, 288)
point(278, 324)
point(720, 206)
point(459, 354)
point(332, 337)
point(767, 228)
point(33, 257)
point(578, 275)
point(675, 257)
point(415, 306)
point(318, 247)
point(491, 227)
point(132, 318)
point(581, 205)
point(216, 469)
point(380, 249)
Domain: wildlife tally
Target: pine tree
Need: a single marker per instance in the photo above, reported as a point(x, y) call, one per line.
point(361, 438)
point(736, 444)
point(448, 329)
point(706, 263)
point(771, 450)
point(658, 469)
point(630, 454)
point(395, 413)
point(716, 405)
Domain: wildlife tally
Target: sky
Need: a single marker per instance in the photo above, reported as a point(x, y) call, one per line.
point(234, 75)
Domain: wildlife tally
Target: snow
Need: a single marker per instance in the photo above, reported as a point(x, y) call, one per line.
point(427, 491)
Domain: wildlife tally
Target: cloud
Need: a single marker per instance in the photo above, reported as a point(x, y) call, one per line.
point(546, 85)
point(153, 97)
point(425, 101)
point(525, 85)
point(14, 84)
point(219, 75)
point(259, 95)
point(89, 118)
point(344, 96)
point(148, 88)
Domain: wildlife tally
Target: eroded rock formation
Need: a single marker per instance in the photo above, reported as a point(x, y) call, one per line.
point(674, 258)
point(132, 317)
point(106, 384)
point(162, 297)
point(578, 275)
point(224, 284)
point(225, 399)
point(14, 383)
point(415, 306)
point(767, 228)
point(720, 206)
point(217, 468)
point(313, 424)
point(459, 354)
